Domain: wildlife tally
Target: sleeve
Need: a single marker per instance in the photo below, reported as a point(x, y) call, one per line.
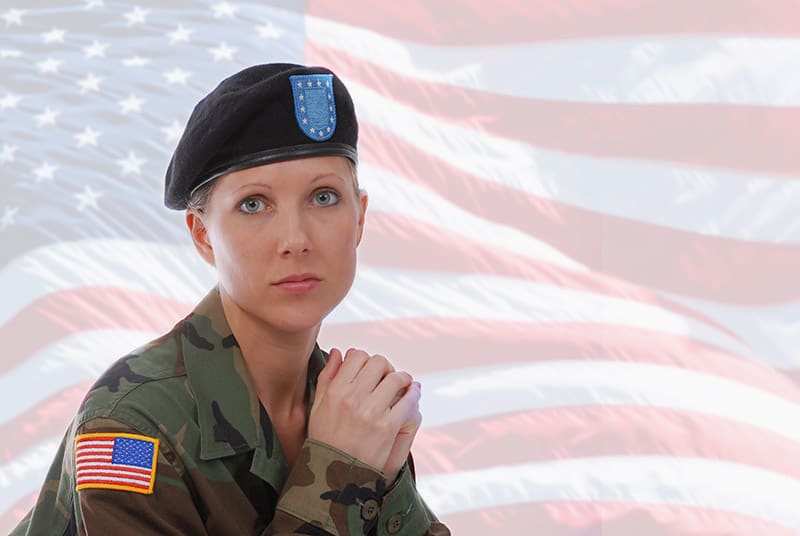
point(167, 508)
point(331, 493)
point(328, 493)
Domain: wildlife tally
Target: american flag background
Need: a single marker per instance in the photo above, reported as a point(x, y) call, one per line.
point(583, 238)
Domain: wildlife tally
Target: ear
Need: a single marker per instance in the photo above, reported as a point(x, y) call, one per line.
point(362, 210)
point(199, 232)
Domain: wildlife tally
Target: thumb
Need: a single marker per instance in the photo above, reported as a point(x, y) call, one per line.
point(330, 369)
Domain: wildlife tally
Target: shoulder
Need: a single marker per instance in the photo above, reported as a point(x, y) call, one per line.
point(143, 388)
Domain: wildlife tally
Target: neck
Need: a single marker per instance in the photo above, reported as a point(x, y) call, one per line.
point(276, 360)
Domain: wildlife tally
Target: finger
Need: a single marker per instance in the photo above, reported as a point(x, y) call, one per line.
point(371, 374)
point(408, 406)
point(354, 360)
point(386, 393)
point(330, 369)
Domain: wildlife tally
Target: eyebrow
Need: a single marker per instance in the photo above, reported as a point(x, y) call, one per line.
point(269, 186)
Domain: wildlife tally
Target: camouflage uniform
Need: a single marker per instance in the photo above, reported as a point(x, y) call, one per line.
point(220, 467)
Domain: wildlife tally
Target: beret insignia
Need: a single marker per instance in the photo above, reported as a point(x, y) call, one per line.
point(314, 106)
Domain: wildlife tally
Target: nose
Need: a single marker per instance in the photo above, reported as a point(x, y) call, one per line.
point(293, 235)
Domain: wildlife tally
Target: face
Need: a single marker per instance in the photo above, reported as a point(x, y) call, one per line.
point(264, 224)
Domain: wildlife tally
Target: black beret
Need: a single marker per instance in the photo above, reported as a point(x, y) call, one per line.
point(263, 114)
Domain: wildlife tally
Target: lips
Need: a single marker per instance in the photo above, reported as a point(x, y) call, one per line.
point(298, 278)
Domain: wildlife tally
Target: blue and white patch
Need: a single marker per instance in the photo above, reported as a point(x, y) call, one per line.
point(314, 106)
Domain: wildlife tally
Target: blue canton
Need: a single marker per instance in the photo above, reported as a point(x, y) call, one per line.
point(134, 452)
point(314, 106)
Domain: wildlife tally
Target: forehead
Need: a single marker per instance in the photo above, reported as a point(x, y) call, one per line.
point(289, 172)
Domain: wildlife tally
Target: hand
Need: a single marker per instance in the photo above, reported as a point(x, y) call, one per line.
point(365, 408)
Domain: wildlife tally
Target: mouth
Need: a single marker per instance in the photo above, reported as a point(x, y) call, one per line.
point(298, 283)
point(299, 287)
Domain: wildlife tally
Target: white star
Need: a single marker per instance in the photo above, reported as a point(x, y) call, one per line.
point(223, 9)
point(131, 104)
point(137, 16)
point(305, 120)
point(319, 83)
point(90, 83)
point(179, 34)
point(88, 198)
point(10, 101)
point(132, 164)
point(47, 117)
point(56, 35)
point(10, 53)
point(135, 61)
point(93, 3)
point(87, 137)
point(45, 172)
point(49, 65)
point(8, 217)
point(172, 132)
point(177, 76)
point(301, 97)
point(95, 50)
point(223, 52)
point(269, 31)
point(7, 154)
point(13, 17)
point(308, 83)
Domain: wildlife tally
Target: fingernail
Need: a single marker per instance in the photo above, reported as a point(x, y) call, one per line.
point(419, 385)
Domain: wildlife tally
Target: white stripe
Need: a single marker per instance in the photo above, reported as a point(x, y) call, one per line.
point(711, 202)
point(379, 295)
point(619, 69)
point(95, 443)
point(703, 483)
point(29, 468)
point(392, 194)
point(89, 451)
point(175, 272)
point(108, 466)
point(80, 357)
point(473, 393)
point(772, 331)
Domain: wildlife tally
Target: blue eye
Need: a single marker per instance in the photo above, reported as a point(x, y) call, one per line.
point(326, 198)
point(252, 205)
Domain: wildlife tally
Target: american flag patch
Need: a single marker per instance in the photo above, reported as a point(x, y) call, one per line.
point(115, 461)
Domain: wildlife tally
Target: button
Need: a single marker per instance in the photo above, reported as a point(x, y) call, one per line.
point(394, 524)
point(369, 509)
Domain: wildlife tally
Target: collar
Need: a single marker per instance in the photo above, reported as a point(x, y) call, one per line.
point(230, 416)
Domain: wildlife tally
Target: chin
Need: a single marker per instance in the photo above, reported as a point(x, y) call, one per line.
point(297, 319)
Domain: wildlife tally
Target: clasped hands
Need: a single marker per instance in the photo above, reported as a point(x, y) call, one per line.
point(367, 409)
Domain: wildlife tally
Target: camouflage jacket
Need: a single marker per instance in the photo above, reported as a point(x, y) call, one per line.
point(217, 466)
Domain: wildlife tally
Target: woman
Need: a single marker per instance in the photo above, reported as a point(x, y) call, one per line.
point(235, 422)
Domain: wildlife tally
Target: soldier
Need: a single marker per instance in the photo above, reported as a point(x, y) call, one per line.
point(236, 422)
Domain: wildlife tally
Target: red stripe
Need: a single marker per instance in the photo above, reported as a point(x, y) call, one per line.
point(740, 137)
point(607, 518)
point(14, 514)
point(113, 470)
point(428, 345)
point(61, 313)
point(386, 244)
point(710, 268)
point(94, 459)
point(592, 431)
point(391, 237)
point(456, 22)
point(39, 422)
